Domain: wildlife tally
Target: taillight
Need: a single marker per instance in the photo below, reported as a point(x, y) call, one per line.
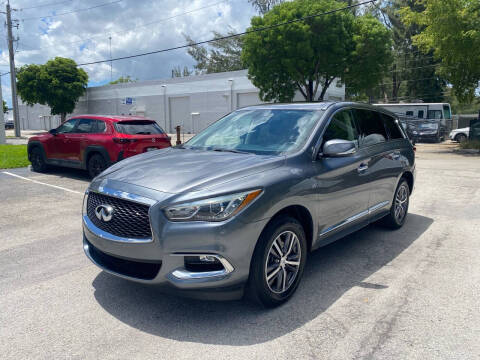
point(123, 140)
point(414, 148)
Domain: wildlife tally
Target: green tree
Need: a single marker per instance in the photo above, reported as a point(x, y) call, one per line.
point(5, 107)
point(371, 58)
point(308, 54)
point(451, 28)
point(222, 55)
point(59, 84)
point(122, 80)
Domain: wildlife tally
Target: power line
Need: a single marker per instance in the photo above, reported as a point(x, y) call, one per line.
point(45, 5)
point(72, 11)
point(231, 36)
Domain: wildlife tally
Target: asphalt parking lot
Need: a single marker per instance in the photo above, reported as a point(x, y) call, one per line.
point(408, 294)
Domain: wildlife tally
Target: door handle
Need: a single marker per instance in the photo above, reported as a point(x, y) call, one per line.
point(363, 167)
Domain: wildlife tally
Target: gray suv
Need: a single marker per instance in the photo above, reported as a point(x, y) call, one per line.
point(237, 209)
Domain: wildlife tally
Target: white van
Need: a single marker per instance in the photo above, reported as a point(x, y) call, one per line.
point(429, 111)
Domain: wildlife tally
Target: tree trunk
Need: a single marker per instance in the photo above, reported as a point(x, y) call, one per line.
point(325, 86)
point(63, 117)
point(310, 93)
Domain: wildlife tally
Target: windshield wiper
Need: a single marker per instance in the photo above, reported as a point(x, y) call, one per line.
point(143, 133)
point(230, 150)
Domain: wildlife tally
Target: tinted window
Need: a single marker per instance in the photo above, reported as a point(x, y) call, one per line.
point(66, 127)
point(372, 130)
point(434, 114)
point(100, 126)
point(138, 127)
point(421, 114)
point(446, 112)
point(84, 126)
point(391, 125)
point(409, 113)
point(260, 131)
point(342, 126)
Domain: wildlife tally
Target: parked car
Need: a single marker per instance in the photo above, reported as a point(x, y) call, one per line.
point(426, 131)
point(9, 124)
point(248, 198)
point(460, 135)
point(94, 142)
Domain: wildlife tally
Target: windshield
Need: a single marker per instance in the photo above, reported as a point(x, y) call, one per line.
point(262, 131)
point(138, 127)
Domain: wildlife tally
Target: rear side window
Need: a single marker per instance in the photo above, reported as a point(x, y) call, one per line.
point(342, 127)
point(421, 113)
point(100, 128)
point(370, 124)
point(138, 127)
point(391, 125)
point(409, 113)
point(85, 126)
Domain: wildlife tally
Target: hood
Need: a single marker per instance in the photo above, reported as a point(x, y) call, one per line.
point(174, 170)
point(462, 129)
point(40, 137)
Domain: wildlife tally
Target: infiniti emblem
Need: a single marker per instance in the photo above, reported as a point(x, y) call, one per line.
point(104, 212)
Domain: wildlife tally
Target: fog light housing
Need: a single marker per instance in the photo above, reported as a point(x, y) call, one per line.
point(202, 263)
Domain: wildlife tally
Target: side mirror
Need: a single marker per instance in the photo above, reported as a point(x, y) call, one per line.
point(53, 131)
point(339, 148)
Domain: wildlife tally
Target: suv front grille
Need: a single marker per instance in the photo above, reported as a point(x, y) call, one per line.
point(129, 219)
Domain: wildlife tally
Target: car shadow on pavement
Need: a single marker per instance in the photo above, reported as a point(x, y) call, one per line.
point(64, 172)
point(330, 272)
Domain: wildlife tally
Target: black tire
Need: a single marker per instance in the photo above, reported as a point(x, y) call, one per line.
point(37, 159)
point(393, 220)
point(460, 138)
point(266, 256)
point(96, 164)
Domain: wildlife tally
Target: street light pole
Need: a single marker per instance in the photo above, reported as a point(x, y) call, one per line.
point(111, 61)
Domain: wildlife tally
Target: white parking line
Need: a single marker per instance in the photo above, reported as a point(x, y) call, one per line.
point(42, 183)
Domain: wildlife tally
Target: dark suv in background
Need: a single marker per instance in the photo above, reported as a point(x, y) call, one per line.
point(94, 142)
point(248, 198)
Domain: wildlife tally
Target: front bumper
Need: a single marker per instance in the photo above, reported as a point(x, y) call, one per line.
point(161, 259)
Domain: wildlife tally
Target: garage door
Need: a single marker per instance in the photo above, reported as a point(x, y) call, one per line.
point(247, 99)
point(180, 113)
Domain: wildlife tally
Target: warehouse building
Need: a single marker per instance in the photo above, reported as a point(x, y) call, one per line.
point(192, 102)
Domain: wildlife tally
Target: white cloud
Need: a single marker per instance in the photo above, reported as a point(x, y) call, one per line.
point(83, 36)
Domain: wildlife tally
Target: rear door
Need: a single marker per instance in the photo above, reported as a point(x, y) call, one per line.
point(383, 168)
point(342, 183)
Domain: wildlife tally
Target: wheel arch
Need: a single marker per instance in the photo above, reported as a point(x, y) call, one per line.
point(408, 176)
point(35, 144)
point(92, 150)
point(302, 215)
point(460, 133)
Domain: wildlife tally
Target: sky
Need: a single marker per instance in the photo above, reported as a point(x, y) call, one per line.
point(50, 28)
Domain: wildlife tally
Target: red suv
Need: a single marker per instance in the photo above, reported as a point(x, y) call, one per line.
point(94, 142)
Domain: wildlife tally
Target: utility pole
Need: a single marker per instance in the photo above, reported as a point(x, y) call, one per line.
point(13, 77)
point(2, 118)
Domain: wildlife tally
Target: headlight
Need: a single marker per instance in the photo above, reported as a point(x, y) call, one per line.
point(85, 201)
point(414, 132)
point(212, 209)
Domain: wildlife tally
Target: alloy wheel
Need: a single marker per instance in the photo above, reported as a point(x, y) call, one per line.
point(283, 262)
point(401, 203)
